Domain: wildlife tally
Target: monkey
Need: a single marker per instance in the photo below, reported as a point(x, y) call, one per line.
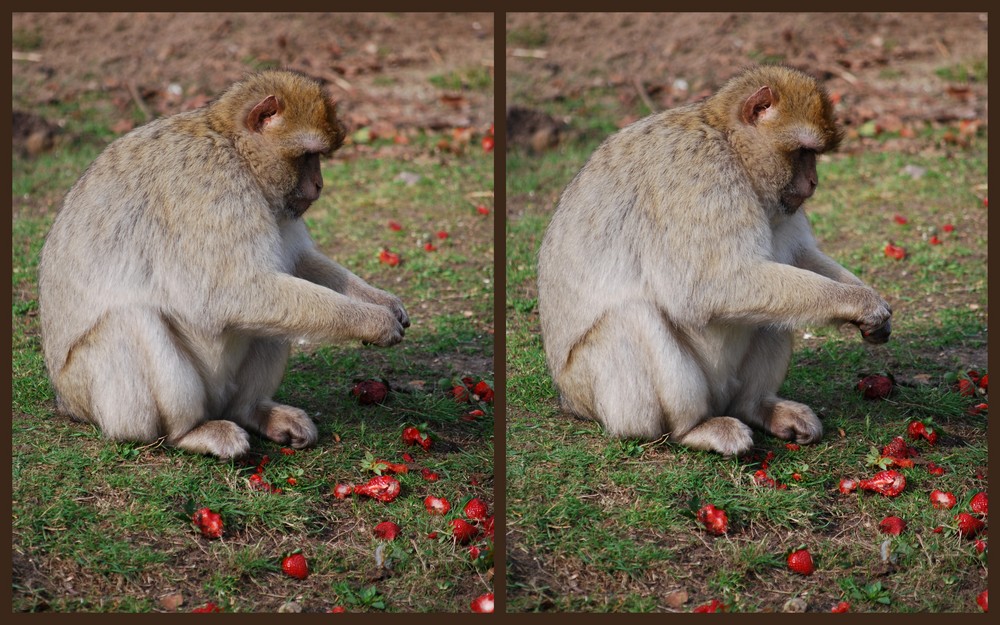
point(678, 261)
point(179, 270)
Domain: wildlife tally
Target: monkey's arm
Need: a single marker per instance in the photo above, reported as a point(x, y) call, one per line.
point(319, 269)
point(278, 304)
point(818, 262)
point(771, 293)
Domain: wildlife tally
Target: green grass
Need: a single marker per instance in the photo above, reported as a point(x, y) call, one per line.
point(596, 524)
point(102, 526)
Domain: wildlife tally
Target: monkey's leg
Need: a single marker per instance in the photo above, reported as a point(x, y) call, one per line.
point(645, 380)
point(143, 386)
point(257, 380)
point(757, 403)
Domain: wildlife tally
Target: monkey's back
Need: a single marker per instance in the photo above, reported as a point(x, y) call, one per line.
point(640, 196)
point(123, 238)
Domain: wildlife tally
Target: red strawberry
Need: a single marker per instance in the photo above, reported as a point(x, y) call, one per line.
point(483, 392)
point(413, 436)
point(429, 475)
point(442, 235)
point(474, 552)
point(393, 467)
point(389, 258)
point(295, 566)
point(980, 545)
point(460, 393)
point(848, 485)
point(482, 210)
point(384, 488)
point(472, 415)
point(984, 382)
point(938, 529)
point(899, 219)
point(488, 526)
point(792, 446)
point(343, 491)
point(437, 505)
point(930, 436)
point(210, 523)
point(714, 519)
point(801, 562)
point(206, 609)
point(898, 449)
point(843, 606)
point(875, 386)
point(711, 607)
point(488, 143)
point(948, 228)
point(941, 499)
point(483, 603)
point(983, 600)
point(395, 226)
point(968, 525)
point(386, 530)
point(974, 410)
point(934, 240)
point(476, 510)
point(370, 392)
point(966, 388)
point(934, 469)
point(894, 251)
point(761, 478)
point(979, 503)
point(892, 525)
point(407, 458)
point(463, 531)
point(889, 483)
point(336, 609)
point(292, 481)
point(430, 247)
point(916, 429)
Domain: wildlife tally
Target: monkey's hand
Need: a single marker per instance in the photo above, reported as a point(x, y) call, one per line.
point(383, 327)
point(384, 298)
point(877, 325)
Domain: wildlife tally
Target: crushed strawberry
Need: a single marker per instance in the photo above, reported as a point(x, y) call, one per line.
point(889, 483)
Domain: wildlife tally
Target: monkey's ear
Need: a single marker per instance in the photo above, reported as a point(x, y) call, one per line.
point(757, 106)
point(263, 113)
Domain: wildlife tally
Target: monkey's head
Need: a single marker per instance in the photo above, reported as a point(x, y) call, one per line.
point(281, 124)
point(778, 120)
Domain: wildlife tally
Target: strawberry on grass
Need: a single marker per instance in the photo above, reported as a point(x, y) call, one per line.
point(875, 387)
point(437, 505)
point(715, 520)
point(476, 509)
point(343, 491)
point(413, 436)
point(429, 475)
point(370, 392)
point(889, 483)
point(463, 531)
point(210, 523)
point(386, 530)
point(295, 565)
point(208, 608)
point(848, 485)
point(483, 603)
point(800, 561)
point(841, 607)
point(968, 525)
point(383, 488)
point(979, 503)
point(941, 499)
point(709, 608)
point(983, 600)
point(892, 525)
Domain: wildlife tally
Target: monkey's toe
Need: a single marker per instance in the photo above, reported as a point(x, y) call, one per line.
point(286, 425)
point(223, 439)
point(794, 421)
point(724, 435)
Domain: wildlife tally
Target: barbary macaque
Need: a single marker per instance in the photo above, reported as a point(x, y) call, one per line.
point(179, 270)
point(679, 260)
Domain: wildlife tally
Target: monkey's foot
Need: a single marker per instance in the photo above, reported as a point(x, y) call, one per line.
point(286, 425)
point(224, 439)
point(725, 435)
point(794, 421)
